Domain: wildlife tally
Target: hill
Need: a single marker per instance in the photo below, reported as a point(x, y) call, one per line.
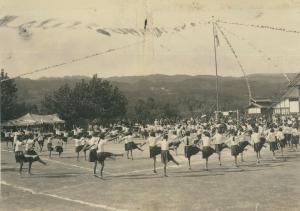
point(189, 93)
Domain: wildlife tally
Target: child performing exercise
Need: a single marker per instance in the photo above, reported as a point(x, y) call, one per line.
point(102, 154)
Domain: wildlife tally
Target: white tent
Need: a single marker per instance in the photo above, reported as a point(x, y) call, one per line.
point(33, 119)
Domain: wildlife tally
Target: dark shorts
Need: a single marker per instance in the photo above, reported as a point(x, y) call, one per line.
point(79, 148)
point(130, 146)
point(220, 147)
point(31, 158)
point(101, 156)
point(190, 150)
point(49, 147)
point(243, 145)
point(30, 152)
point(19, 156)
point(235, 150)
point(166, 156)
point(207, 152)
point(282, 143)
point(273, 146)
point(59, 149)
point(154, 151)
point(93, 155)
point(295, 139)
point(287, 137)
point(262, 140)
point(65, 139)
point(86, 147)
point(258, 146)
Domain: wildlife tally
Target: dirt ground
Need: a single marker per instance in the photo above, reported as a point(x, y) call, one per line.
point(131, 185)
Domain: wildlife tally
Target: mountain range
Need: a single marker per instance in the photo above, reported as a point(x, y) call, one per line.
point(179, 90)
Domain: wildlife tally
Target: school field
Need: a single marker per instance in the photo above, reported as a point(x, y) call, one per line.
point(65, 184)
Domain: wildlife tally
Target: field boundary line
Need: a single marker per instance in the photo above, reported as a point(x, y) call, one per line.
point(62, 197)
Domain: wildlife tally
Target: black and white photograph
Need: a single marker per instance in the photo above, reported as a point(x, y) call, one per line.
point(150, 105)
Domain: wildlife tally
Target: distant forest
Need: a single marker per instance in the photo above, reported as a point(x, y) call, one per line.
point(165, 96)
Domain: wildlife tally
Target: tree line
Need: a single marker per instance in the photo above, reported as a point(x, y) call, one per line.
point(10, 108)
point(95, 100)
point(98, 101)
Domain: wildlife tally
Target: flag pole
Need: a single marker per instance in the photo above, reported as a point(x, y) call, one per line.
point(216, 67)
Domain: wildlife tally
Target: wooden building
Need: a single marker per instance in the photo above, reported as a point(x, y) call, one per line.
point(260, 106)
point(289, 102)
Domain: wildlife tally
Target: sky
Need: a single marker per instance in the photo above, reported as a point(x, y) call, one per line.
point(45, 33)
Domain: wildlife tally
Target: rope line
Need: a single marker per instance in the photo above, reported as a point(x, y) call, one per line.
point(83, 58)
point(238, 61)
point(262, 27)
point(73, 60)
point(256, 49)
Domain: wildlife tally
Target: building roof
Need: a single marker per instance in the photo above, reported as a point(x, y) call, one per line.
point(260, 103)
point(292, 92)
point(292, 88)
point(261, 100)
point(295, 81)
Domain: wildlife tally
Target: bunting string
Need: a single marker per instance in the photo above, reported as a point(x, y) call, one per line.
point(259, 51)
point(261, 27)
point(77, 59)
point(7, 21)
